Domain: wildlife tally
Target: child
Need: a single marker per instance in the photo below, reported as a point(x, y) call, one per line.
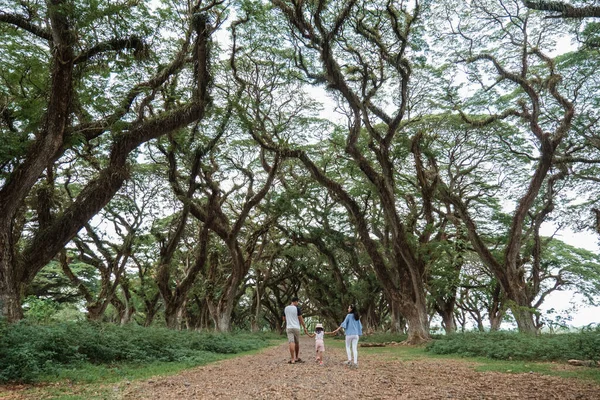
point(319, 342)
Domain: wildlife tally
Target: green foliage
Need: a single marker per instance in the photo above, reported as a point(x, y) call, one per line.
point(52, 283)
point(29, 351)
point(40, 310)
point(579, 267)
point(584, 345)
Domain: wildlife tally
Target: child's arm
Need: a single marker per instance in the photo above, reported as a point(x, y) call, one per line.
point(310, 334)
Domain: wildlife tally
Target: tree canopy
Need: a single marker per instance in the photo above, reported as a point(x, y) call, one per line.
point(204, 162)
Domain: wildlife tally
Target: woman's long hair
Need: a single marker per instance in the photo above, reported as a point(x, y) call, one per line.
point(354, 311)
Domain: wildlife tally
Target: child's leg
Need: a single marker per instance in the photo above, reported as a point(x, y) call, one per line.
point(319, 348)
point(348, 350)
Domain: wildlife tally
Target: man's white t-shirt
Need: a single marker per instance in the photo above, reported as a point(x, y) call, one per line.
point(291, 317)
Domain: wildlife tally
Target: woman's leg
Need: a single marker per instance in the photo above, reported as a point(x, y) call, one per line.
point(355, 348)
point(348, 349)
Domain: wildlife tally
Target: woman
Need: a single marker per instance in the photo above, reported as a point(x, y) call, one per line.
point(353, 329)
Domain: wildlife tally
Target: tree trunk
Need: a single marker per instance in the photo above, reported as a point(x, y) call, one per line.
point(224, 322)
point(476, 315)
point(445, 308)
point(125, 307)
point(254, 325)
point(129, 306)
point(495, 322)
point(524, 316)
point(418, 325)
point(10, 293)
point(170, 318)
point(221, 316)
point(398, 321)
point(96, 310)
point(174, 313)
point(448, 321)
point(151, 309)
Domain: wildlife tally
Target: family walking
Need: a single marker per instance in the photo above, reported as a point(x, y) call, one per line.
point(293, 319)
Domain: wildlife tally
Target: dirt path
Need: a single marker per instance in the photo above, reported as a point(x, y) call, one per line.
point(268, 376)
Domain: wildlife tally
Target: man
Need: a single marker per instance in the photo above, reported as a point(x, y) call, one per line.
point(292, 315)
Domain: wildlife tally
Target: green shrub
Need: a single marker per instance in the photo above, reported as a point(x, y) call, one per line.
point(28, 350)
point(40, 310)
point(584, 345)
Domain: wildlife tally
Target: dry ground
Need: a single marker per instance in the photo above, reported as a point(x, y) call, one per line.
point(267, 375)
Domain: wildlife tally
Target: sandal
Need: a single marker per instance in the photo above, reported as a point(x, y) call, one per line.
point(299, 360)
point(291, 362)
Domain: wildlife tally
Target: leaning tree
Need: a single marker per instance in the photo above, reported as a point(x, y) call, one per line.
point(85, 81)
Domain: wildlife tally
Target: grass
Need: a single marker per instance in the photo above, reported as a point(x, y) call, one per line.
point(107, 381)
point(89, 381)
point(32, 353)
point(546, 368)
point(482, 364)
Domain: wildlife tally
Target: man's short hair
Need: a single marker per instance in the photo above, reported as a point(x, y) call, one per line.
point(294, 299)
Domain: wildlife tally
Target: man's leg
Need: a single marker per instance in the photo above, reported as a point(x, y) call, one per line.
point(291, 344)
point(292, 355)
point(296, 337)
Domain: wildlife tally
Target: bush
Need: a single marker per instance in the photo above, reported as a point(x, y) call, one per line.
point(584, 345)
point(28, 350)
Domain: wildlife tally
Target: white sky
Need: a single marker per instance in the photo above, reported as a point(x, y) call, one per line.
point(563, 301)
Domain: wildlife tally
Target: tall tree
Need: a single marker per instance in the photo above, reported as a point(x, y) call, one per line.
point(226, 211)
point(87, 89)
point(520, 83)
point(364, 52)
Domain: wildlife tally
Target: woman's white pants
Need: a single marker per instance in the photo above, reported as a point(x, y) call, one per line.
point(352, 347)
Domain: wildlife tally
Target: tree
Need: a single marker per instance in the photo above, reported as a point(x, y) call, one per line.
point(563, 9)
point(82, 48)
point(580, 16)
point(361, 52)
point(109, 244)
point(224, 211)
point(522, 87)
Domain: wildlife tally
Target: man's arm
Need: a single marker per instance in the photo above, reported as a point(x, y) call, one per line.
point(302, 322)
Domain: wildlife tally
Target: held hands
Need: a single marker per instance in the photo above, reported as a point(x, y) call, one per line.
point(308, 334)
